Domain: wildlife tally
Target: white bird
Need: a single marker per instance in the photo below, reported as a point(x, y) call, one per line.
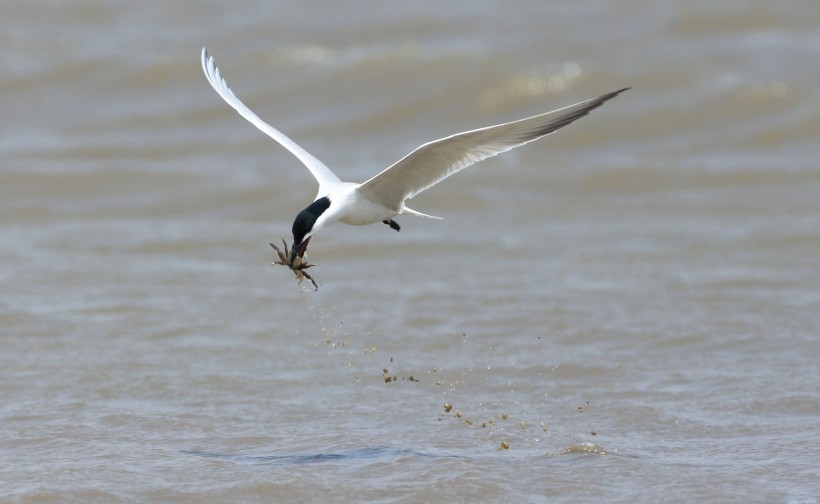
point(383, 197)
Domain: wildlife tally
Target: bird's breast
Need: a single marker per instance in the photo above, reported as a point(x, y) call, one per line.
point(351, 208)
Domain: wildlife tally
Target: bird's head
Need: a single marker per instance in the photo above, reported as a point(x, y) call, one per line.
point(305, 224)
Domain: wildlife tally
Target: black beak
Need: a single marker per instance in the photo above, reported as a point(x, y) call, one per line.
point(294, 251)
point(299, 249)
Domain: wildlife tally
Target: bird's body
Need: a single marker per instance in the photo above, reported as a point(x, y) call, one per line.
point(350, 206)
point(383, 197)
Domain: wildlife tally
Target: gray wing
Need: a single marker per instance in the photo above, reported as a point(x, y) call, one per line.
point(434, 161)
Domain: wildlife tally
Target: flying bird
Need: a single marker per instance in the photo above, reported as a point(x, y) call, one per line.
point(384, 196)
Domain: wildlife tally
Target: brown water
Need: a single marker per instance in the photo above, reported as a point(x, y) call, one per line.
point(632, 305)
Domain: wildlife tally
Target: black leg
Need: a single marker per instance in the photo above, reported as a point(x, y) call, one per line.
point(393, 224)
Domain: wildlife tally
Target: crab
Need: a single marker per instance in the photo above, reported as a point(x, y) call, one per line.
point(298, 266)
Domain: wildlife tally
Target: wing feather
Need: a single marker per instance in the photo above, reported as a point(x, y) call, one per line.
point(321, 172)
point(434, 161)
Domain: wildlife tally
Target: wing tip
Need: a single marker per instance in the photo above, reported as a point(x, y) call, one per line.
point(584, 109)
point(608, 96)
point(206, 58)
point(613, 94)
point(214, 76)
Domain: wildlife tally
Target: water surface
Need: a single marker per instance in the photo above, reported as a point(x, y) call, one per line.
point(630, 305)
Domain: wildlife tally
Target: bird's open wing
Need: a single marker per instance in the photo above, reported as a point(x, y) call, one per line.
point(434, 161)
point(322, 173)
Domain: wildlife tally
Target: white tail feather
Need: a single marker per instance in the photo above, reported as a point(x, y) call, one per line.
point(410, 211)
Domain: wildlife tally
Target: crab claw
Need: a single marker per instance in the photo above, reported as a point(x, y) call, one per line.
point(287, 252)
point(311, 279)
point(282, 257)
point(294, 259)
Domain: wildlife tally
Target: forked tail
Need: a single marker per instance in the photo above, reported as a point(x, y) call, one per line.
point(419, 214)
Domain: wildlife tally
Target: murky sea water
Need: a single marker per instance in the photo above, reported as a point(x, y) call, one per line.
point(625, 311)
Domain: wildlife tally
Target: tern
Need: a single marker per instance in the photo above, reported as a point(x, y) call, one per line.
point(384, 196)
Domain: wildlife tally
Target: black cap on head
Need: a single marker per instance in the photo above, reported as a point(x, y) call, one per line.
point(303, 224)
